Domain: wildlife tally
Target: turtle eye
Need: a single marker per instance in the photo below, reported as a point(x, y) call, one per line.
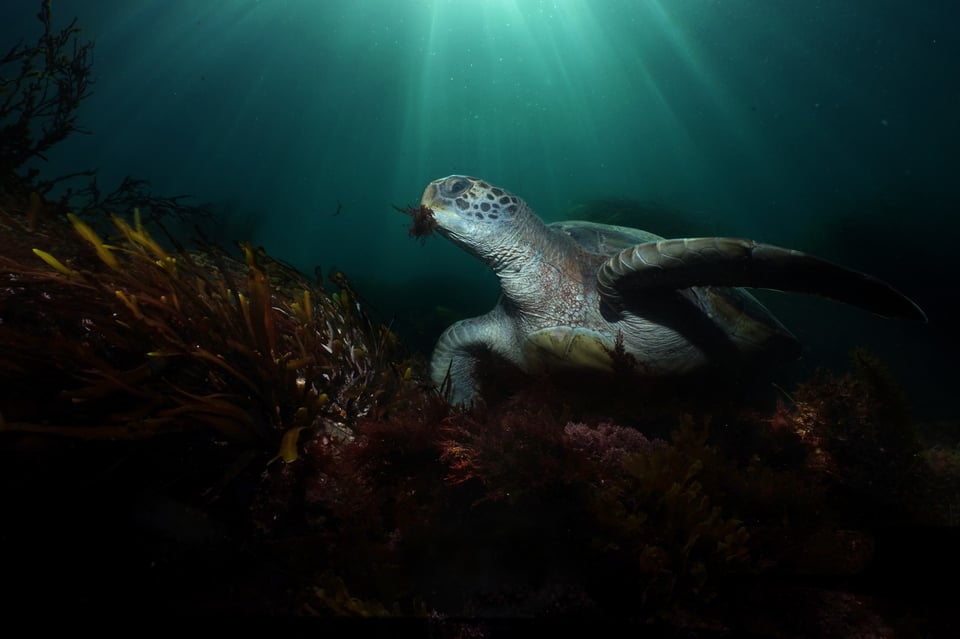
point(454, 186)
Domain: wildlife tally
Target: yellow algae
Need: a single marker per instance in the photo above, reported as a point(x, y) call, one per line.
point(138, 236)
point(288, 446)
point(91, 236)
point(307, 306)
point(54, 262)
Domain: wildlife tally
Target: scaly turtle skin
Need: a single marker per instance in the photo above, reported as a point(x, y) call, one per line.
point(575, 292)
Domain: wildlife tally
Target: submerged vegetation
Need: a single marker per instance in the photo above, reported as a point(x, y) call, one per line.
point(423, 221)
point(209, 430)
point(178, 339)
point(283, 412)
point(42, 85)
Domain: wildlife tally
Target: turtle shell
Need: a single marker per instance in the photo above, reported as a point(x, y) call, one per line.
point(603, 239)
point(730, 309)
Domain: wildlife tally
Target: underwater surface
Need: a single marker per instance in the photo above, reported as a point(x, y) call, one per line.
point(300, 128)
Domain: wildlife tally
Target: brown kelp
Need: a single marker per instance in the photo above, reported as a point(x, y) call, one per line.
point(141, 340)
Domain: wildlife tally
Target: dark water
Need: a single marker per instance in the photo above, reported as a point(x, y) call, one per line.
point(828, 126)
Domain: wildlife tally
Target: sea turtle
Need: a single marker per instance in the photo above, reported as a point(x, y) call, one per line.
point(577, 295)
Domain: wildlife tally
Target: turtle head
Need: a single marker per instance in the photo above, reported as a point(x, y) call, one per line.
point(477, 216)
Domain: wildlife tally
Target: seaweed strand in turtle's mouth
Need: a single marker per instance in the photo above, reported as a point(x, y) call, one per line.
point(424, 222)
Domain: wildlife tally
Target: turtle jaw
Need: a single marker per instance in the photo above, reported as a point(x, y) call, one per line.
point(440, 206)
point(446, 217)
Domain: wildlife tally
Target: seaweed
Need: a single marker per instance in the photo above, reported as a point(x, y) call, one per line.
point(39, 101)
point(228, 383)
point(145, 341)
point(424, 222)
point(42, 85)
point(858, 434)
point(365, 487)
point(132, 194)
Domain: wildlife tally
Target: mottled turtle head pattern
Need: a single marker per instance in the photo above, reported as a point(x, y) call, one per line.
point(476, 215)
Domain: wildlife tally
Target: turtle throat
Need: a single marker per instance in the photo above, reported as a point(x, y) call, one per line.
point(522, 258)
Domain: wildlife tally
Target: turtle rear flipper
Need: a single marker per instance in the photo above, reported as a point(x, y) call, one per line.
point(721, 261)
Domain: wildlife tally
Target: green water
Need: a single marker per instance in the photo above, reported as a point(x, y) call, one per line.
point(828, 126)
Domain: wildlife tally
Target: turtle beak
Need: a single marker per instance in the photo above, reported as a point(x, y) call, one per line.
point(429, 198)
point(440, 205)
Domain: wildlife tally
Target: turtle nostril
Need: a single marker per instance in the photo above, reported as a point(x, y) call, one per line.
point(454, 186)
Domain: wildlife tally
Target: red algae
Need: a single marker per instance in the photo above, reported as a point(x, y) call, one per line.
point(424, 222)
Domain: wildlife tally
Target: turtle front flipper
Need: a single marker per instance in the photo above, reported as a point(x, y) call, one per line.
point(456, 355)
point(721, 261)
